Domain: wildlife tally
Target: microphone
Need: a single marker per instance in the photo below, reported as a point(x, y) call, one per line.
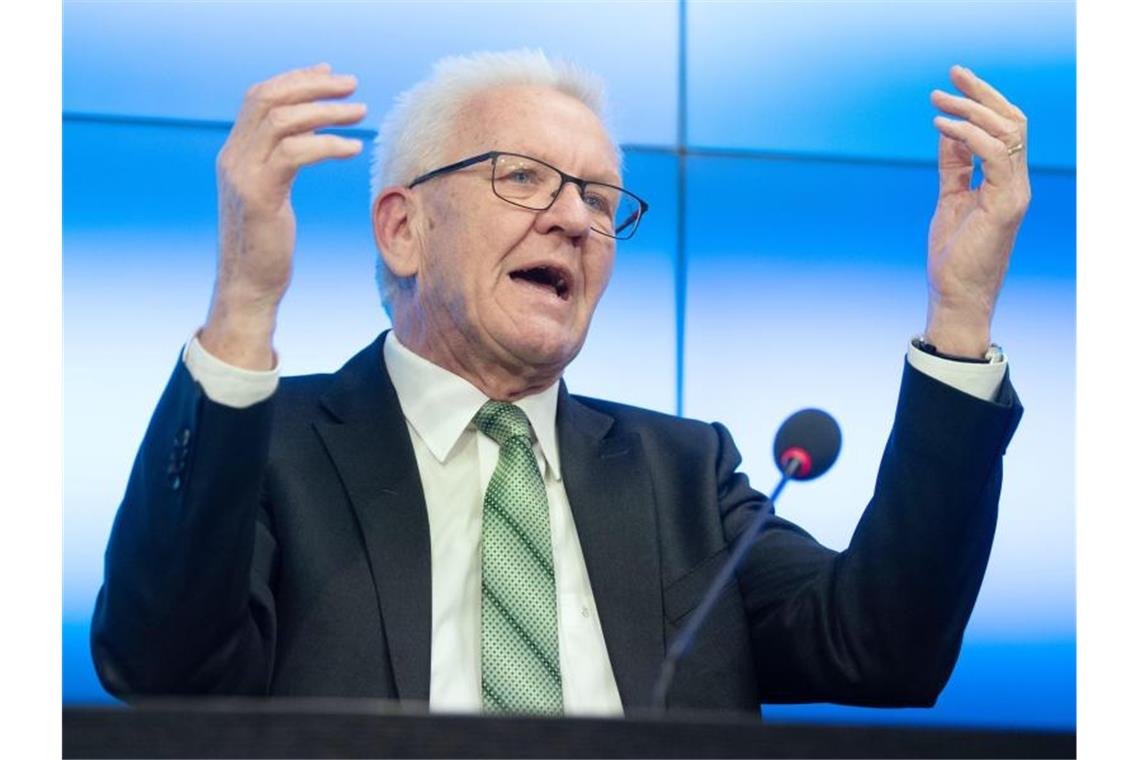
point(806, 446)
point(810, 438)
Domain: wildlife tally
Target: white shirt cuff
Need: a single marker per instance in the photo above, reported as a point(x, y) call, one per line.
point(979, 380)
point(224, 383)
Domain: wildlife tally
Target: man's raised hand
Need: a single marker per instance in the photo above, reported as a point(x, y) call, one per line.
point(973, 231)
point(272, 138)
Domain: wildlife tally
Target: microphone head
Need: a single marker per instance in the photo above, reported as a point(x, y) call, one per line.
point(810, 436)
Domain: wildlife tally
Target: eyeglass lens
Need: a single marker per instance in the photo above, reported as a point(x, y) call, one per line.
point(529, 183)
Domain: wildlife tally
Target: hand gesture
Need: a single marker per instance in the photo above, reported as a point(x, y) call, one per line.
point(973, 231)
point(272, 138)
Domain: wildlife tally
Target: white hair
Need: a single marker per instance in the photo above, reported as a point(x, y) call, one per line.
point(415, 133)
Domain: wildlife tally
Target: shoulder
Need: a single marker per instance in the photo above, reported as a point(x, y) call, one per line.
point(627, 414)
point(303, 391)
point(657, 429)
point(298, 403)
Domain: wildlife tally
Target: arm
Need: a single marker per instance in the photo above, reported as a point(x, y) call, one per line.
point(973, 230)
point(881, 623)
point(187, 604)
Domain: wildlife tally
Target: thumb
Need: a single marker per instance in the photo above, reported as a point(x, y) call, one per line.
point(955, 166)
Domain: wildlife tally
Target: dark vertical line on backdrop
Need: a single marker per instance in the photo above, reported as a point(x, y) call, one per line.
point(681, 270)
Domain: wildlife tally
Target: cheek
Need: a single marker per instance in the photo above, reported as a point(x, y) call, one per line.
point(487, 245)
point(451, 238)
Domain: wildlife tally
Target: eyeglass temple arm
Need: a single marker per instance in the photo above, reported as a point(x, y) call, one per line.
point(453, 167)
point(634, 217)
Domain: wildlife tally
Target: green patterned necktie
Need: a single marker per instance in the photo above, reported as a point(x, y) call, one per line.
point(519, 616)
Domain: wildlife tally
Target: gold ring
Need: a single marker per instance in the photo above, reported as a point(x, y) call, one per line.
point(1016, 148)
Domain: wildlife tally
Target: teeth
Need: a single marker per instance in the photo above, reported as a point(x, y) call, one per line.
point(547, 276)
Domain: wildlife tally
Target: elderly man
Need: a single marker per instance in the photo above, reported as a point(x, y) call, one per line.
point(440, 521)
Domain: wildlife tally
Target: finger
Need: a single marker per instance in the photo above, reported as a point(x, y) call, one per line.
point(982, 91)
point(296, 151)
point(996, 164)
point(301, 118)
point(307, 86)
point(1006, 130)
point(301, 86)
point(955, 166)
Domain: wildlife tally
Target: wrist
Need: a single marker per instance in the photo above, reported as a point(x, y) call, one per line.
point(993, 355)
point(956, 334)
point(240, 334)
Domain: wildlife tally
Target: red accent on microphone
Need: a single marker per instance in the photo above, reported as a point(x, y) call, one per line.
point(795, 452)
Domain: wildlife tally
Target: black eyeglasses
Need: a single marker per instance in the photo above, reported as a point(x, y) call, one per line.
point(535, 185)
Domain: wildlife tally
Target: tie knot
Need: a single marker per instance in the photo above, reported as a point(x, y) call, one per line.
point(502, 422)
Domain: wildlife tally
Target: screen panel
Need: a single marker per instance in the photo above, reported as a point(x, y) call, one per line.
point(140, 240)
point(854, 78)
point(195, 60)
point(639, 307)
point(139, 236)
point(805, 282)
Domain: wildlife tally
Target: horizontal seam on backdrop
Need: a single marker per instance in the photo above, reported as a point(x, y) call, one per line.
point(692, 151)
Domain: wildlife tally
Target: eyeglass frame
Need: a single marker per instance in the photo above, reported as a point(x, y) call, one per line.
point(493, 155)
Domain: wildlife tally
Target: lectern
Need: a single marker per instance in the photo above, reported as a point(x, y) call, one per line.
point(339, 728)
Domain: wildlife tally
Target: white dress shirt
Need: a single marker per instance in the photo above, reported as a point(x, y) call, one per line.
point(456, 462)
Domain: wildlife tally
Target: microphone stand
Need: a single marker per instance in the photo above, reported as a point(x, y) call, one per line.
point(684, 640)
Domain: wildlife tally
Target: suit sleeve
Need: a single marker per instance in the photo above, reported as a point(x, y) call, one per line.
point(880, 623)
point(186, 605)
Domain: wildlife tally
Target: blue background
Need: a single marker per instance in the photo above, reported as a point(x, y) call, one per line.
point(791, 181)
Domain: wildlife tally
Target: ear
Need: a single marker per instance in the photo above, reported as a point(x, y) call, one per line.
point(393, 215)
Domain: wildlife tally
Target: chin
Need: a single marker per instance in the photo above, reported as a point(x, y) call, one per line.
point(546, 348)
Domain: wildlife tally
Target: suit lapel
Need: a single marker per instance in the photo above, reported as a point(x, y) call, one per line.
point(369, 444)
point(611, 496)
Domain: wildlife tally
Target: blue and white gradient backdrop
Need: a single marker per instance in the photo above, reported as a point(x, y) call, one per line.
point(808, 190)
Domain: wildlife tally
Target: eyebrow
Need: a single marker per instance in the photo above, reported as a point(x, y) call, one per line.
point(605, 177)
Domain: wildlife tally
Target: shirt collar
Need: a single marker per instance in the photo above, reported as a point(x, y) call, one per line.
point(441, 405)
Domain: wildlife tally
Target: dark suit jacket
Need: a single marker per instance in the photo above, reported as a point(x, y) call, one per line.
point(283, 549)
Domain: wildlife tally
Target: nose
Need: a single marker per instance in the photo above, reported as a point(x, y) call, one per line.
point(568, 214)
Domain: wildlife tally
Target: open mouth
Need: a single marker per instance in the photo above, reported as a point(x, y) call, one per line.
point(551, 278)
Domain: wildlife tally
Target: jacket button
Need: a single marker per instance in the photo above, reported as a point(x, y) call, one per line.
point(175, 482)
